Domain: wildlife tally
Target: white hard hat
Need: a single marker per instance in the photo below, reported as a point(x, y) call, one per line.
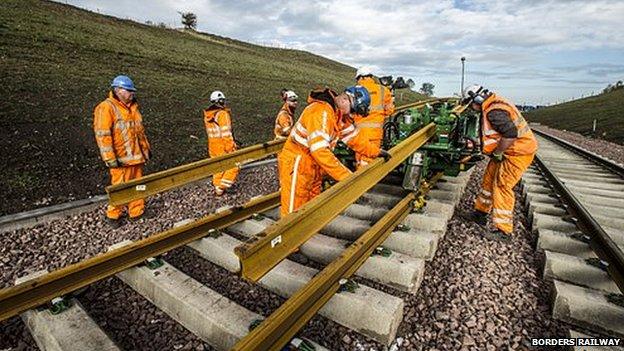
point(363, 71)
point(475, 93)
point(216, 95)
point(290, 95)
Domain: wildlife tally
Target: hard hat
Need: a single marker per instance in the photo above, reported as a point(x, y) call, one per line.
point(290, 95)
point(476, 94)
point(217, 96)
point(363, 71)
point(123, 82)
point(361, 99)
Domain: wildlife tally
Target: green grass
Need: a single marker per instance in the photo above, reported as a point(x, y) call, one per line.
point(56, 64)
point(578, 116)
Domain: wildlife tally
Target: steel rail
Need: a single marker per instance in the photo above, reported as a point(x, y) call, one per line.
point(600, 241)
point(422, 103)
point(282, 325)
point(265, 250)
point(41, 290)
point(158, 182)
point(610, 165)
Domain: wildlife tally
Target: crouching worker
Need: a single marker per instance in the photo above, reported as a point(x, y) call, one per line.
point(511, 145)
point(307, 153)
point(120, 136)
point(220, 140)
point(285, 117)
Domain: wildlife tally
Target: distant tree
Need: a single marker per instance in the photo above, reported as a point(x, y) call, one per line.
point(149, 23)
point(162, 25)
point(189, 20)
point(619, 84)
point(427, 89)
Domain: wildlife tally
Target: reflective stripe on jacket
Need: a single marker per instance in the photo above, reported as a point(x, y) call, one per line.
point(381, 107)
point(524, 144)
point(119, 132)
point(283, 122)
point(219, 130)
point(316, 133)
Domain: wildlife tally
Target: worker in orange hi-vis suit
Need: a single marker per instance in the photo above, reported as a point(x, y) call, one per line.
point(120, 136)
point(508, 140)
point(285, 117)
point(220, 140)
point(307, 153)
point(382, 106)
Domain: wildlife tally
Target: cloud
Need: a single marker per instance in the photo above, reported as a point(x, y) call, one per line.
point(503, 40)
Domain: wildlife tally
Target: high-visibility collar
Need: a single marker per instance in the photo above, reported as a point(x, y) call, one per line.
point(211, 112)
point(114, 99)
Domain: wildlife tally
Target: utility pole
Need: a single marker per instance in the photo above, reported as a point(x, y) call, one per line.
point(463, 60)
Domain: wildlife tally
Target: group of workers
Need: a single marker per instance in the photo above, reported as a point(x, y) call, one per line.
point(355, 116)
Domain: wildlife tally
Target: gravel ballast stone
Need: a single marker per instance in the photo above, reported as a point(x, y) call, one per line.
point(477, 294)
point(604, 148)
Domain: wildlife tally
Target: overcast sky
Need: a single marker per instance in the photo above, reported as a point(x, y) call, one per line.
point(532, 51)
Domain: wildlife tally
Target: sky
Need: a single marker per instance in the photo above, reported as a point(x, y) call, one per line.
point(531, 51)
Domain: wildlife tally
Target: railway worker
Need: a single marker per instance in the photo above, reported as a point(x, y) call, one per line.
point(120, 136)
point(307, 153)
point(218, 124)
point(285, 117)
point(511, 145)
point(382, 106)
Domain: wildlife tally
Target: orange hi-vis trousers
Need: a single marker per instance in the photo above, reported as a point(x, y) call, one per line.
point(225, 180)
point(497, 195)
point(120, 175)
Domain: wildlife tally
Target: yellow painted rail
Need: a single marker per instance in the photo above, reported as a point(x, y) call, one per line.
point(41, 290)
point(266, 249)
point(158, 182)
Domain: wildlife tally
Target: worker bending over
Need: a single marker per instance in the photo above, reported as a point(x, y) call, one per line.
point(307, 153)
point(120, 136)
point(508, 140)
point(382, 106)
point(220, 140)
point(285, 117)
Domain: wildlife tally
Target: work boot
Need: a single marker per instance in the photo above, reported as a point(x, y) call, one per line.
point(476, 216)
point(499, 235)
point(147, 214)
point(113, 223)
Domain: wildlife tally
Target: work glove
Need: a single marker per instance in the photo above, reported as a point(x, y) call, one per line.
point(498, 157)
point(385, 154)
point(112, 163)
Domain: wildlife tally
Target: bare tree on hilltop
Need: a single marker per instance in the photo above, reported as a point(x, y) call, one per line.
point(427, 89)
point(189, 20)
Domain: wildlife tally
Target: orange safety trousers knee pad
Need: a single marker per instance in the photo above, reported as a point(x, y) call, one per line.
point(497, 194)
point(121, 175)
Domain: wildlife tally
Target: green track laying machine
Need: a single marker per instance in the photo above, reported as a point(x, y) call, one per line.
point(455, 147)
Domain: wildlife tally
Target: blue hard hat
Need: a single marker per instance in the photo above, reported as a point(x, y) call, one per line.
point(361, 99)
point(123, 82)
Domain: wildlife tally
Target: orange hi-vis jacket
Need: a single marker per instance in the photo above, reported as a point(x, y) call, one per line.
point(219, 129)
point(381, 107)
point(119, 132)
point(307, 153)
point(525, 144)
point(283, 122)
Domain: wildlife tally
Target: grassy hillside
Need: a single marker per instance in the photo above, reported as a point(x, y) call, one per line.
point(56, 63)
point(578, 116)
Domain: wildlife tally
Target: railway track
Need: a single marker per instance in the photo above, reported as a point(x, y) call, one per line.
point(576, 206)
point(360, 220)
